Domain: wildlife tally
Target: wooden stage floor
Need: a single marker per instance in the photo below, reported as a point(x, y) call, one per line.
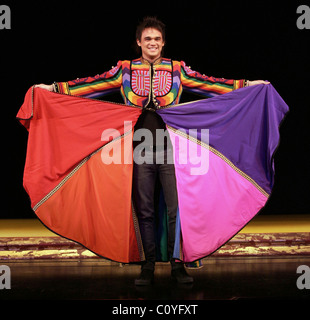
point(263, 236)
point(259, 263)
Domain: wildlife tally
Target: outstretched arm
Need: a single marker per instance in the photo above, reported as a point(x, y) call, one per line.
point(99, 85)
point(201, 84)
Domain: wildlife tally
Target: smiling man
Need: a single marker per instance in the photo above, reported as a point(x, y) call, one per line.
point(151, 42)
point(152, 82)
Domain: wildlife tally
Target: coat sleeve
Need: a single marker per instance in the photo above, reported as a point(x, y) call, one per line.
point(195, 82)
point(96, 86)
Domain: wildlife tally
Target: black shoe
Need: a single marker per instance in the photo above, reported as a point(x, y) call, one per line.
point(146, 278)
point(180, 275)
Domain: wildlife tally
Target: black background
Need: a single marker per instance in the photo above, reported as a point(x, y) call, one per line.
point(62, 40)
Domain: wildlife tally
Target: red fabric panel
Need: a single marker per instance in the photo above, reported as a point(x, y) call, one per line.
point(63, 130)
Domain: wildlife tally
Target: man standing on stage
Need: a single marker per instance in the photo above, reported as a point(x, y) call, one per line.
point(152, 82)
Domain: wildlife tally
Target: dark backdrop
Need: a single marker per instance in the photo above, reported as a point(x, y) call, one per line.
point(62, 40)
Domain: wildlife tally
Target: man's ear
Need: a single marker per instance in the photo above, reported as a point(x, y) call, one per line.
point(138, 43)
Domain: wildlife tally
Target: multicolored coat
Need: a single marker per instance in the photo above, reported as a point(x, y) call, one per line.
point(137, 85)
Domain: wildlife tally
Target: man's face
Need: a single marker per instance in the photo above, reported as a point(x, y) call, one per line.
point(151, 44)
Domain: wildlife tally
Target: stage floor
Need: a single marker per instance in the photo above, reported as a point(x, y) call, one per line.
point(229, 278)
point(258, 263)
point(259, 224)
point(263, 236)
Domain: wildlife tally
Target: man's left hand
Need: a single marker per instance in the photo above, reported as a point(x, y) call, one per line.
point(255, 82)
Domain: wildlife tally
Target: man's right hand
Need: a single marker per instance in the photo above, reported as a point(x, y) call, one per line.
point(48, 87)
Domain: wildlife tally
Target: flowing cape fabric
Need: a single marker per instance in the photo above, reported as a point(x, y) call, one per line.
point(225, 176)
point(78, 170)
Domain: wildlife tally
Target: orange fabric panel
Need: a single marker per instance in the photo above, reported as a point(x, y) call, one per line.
point(93, 207)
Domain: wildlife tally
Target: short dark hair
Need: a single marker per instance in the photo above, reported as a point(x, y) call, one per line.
point(150, 22)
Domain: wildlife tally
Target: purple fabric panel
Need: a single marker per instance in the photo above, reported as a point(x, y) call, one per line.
point(243, 125)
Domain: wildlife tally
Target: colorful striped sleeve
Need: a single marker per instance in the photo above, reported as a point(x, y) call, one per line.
point(94, 87)
point(195, 82)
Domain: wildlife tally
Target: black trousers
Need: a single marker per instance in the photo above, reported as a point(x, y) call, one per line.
point(144, 182)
